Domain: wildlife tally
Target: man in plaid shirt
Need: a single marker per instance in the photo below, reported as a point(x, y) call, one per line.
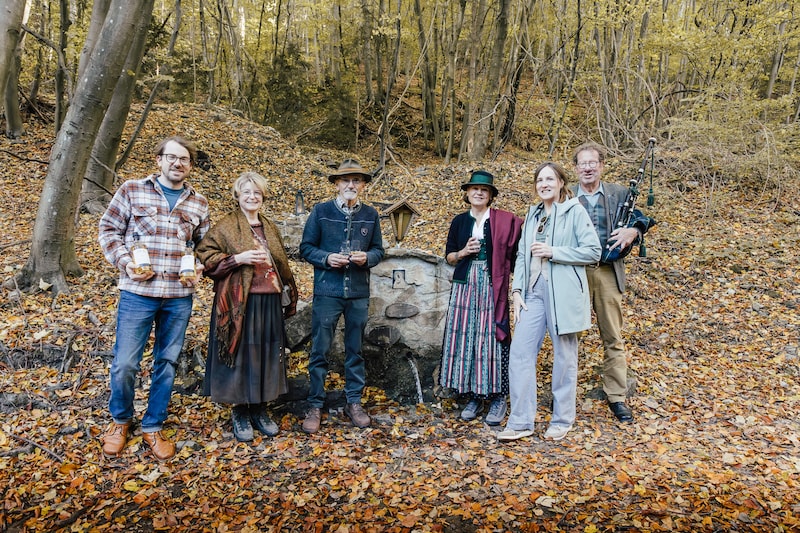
point(163, 212)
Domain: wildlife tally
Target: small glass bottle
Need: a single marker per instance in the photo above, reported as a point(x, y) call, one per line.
point(141, 257)
point(187, 271)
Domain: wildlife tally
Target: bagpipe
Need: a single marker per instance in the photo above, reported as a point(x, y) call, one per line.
point(628, 216)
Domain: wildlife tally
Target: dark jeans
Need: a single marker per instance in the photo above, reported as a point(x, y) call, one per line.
point(325, 315)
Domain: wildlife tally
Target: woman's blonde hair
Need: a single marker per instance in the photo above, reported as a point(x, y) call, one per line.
point(258, 181)
point(561, 174)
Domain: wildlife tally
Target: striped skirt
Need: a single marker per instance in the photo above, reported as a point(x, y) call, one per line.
point(473, 361)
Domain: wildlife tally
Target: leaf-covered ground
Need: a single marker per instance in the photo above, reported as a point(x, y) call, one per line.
point(712, 328)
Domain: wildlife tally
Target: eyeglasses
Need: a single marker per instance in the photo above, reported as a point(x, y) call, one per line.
point(172, 158)
point(542, 224)
point(588, 164)
point(354, 181)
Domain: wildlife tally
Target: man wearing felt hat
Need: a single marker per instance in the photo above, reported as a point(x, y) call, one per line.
point(342, 239)
point(482, 245)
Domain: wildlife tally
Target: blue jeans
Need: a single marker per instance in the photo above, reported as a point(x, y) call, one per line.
point(325, 315)
point(135, 318)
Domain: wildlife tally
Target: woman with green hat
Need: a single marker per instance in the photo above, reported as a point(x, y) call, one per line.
point(482, 245)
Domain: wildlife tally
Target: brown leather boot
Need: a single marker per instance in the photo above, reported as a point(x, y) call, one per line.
point(161, 447)
point(313, 420)
point(357, 415)
point(115, 438)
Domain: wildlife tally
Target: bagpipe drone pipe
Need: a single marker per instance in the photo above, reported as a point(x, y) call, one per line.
point(628, 216)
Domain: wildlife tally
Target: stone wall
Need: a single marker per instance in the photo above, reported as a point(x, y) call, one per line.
point(410, 294)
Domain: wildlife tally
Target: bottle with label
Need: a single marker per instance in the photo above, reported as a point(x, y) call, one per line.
point(188, 272)
point(141, 257)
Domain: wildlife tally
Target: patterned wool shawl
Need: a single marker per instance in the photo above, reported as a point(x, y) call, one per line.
point(230, 236)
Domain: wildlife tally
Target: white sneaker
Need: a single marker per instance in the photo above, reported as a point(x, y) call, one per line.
point(556, 432)
point(497, 411)
point(514, 434)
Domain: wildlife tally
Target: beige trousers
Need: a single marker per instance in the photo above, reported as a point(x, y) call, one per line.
point(607, 305)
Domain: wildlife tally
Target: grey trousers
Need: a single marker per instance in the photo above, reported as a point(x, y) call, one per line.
point(525, 345)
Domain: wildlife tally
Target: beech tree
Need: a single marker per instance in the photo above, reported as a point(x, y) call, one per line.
point(11, 15)
point(52, 255)
point(14, 126)
point(102, 165)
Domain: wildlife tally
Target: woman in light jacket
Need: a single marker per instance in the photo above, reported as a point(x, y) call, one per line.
point(550, 294)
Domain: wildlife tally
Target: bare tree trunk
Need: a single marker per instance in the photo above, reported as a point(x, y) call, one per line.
point(99, 12)
point(366, 36)
point(211, 54)
point(449, 88)
point(52, 255)
point(380, 48)
point(235, 69)
point(146, 111)
point(61, 74)
point(11, 15)
point(489, 98)
point(336, 43)
point(475, 43)
point(33, 90)
point(777, 60)
point(430, 117)
point(563, 100)
point(14, 126)
point(391, 78)
point(275, 39)
point(517, 62)
point(98, 183)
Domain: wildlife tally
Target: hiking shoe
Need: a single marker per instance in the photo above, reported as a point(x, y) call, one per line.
point(262, 422)
point(556, 432)
point(313, 420)
point(472, 410)
point(114, 438)
point(160, 445)
point(514, 434)
point(240, 418)
point(357, 415)
point(497, 411)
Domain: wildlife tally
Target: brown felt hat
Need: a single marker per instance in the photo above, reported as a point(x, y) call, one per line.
point(349, 167)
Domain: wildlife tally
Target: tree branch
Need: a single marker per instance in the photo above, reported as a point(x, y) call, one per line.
point(9, 152)
point(62, 63)
point(43, 448)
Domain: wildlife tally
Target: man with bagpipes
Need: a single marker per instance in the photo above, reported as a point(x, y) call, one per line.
point(620, 227)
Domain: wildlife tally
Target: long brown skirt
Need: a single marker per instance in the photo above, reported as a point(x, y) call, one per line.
point(258, 374)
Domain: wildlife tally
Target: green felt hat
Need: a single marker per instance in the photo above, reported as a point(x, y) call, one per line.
point(480, 177)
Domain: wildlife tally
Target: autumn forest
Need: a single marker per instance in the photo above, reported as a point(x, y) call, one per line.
point(423, 92)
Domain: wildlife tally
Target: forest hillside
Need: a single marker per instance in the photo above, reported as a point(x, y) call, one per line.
point(712, 326)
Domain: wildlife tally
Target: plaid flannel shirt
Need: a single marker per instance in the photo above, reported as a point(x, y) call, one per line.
point(139, 207)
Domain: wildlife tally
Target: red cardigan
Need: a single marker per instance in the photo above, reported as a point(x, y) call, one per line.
point(506, 229)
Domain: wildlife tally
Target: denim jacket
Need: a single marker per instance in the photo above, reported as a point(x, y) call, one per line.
point(327, 228)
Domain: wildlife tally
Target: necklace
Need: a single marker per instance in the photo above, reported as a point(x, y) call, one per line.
point(263, 243)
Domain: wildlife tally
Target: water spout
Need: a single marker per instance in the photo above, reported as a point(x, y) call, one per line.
point(413, 364)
